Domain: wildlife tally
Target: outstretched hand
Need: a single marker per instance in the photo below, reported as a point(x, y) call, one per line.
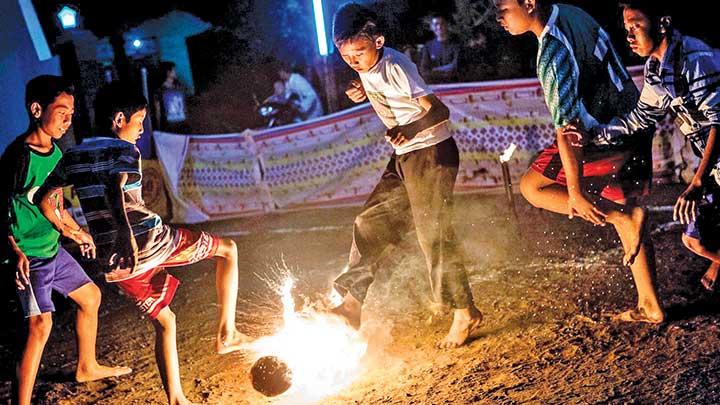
point(126, 252)
point(580, 206)
point(355, 91)
point(396, 137)
point(685, 208)
point(85, 242)
point(22, 271)
point(576, 134)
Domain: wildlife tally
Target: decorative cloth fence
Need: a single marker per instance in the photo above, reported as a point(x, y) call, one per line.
point(337, 159)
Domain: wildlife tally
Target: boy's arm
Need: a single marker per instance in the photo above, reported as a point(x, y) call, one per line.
point(125, 245)
point(22, 274)
point(560, 82)
point(644, 116)
point(52, 206)
point(436, 112)
point(684, 209)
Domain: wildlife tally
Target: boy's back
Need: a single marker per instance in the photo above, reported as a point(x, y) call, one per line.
point(574, 49)
point(93, 168)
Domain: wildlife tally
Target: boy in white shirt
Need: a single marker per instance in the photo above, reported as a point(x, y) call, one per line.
point(416, 188)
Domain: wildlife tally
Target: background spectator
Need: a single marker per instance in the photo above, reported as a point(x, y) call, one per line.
point(439, 57)
point(307, 99)
point(169, 101)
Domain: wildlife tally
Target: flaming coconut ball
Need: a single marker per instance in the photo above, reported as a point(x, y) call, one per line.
point(271, 376)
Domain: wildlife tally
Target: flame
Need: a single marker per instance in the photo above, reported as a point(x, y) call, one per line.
point(507, 153)
point(322, 351)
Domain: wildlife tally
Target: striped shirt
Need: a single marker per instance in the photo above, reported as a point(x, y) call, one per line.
point(686, 84)
point(92, 168)
point(580, 72)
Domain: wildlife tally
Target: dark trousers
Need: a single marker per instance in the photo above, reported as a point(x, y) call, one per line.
point(416, 189)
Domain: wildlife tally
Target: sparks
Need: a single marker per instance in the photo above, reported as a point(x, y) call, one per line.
point(322, 351)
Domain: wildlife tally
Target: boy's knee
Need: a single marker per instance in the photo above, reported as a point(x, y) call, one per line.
point(94, 296)
point(692, 244)
point(528, 188)
point(165, 320)
point(227, 248)
point(89, 298)
point(40, 326)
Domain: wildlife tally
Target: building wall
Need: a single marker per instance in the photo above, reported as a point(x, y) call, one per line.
point(19, 62)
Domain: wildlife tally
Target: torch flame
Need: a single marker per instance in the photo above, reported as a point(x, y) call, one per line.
point(507, 153)
point(322, 351)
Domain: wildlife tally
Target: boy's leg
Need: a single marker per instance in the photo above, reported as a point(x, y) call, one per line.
point(430, 175)
point(166, 356)
point(708, 279)
point(88, 369)
point(696, 246)
point(229, 339)
point(39, 327)
point(384, 220)
point(642, 266)
point(72, 281)
point(702, 237)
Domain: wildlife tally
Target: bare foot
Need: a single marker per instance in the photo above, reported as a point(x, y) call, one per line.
point(98, 372)
point(182, 401)
point(639, 315)
point(710, 276)
point(465, 323)
point(350, 310)
point(632, 228)
point(228, 344)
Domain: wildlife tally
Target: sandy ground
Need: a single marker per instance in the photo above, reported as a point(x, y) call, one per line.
point(545, 293)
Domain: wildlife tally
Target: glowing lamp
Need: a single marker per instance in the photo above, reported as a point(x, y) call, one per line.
point(271, 376)
point(68, 17)
point(137, 44)
point(320, 27)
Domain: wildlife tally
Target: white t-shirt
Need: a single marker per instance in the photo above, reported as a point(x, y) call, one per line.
point(393, 86)
point(310, 106)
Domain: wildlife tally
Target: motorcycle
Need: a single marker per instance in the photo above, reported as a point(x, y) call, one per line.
point(276, 113)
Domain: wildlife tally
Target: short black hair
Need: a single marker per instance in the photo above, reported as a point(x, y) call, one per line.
point(45, 89)
point(653, 9)
point(114, 98)
point(165, 68)
point(354, 21)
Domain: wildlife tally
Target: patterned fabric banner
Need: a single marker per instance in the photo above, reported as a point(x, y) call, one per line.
point(337, 159)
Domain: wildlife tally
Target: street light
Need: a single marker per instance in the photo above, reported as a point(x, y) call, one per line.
point(320, 27)
point(137, 44)
point(68, 17)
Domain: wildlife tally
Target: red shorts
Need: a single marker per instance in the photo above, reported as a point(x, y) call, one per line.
point(154, 289)
point(613, 174)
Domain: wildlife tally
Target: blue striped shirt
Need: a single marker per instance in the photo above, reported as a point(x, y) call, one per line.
point(92, 169)
point(686, 84)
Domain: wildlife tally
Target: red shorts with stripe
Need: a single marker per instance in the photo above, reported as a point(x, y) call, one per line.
point(154, 289)
point(612, 173)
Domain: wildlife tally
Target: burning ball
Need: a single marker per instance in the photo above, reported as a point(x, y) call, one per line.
point(271, 376)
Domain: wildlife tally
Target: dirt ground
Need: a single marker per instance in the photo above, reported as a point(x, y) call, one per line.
point(544, 284)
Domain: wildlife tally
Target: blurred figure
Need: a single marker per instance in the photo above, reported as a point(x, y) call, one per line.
point(439, 57)
point(297, 86)
point(278, 95)
point(278, 109)
point(169, 101)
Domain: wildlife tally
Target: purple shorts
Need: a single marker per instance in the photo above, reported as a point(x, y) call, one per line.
point(61, 273)
point(706, 227)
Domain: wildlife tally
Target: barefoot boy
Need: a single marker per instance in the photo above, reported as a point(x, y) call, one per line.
point(42, 265)
point(584, 80)
point(682, 77)
point(416, 189)
point(133, 244)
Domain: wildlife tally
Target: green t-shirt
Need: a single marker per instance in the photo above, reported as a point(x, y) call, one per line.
point(34, 235)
